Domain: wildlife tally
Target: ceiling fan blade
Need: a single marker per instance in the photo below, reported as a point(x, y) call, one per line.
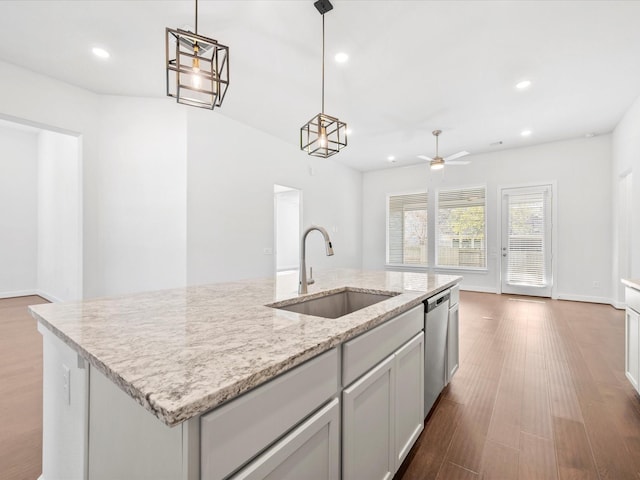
point(424, 157)
point(458, 162)
point(456, 155)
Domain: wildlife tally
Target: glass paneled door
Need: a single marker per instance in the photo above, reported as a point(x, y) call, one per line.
point(526, 241)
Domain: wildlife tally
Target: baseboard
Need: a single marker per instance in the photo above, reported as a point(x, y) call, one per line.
point(586, 298)
point(618, 305)
point(471, 288)
point(18, 293)
point(28, 293)
point(47, 296)
point(563, 296)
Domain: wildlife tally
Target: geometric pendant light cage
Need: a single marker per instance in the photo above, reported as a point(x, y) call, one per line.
point(323, 135)
point(197, 68)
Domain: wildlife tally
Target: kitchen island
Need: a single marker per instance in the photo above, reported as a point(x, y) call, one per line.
point(181, 353)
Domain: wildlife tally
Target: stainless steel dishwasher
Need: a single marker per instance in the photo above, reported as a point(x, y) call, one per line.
point(435, 332)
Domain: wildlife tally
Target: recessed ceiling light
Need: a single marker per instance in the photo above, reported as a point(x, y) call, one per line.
point(523, 84)
point(100, 52)
point(391, 159)
point(341, 57)
point(589, 135)
point(525, 133)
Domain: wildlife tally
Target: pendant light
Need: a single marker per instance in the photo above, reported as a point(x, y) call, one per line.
point(323, 135)
point(197, 68)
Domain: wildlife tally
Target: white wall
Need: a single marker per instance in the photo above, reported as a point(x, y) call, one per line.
point(582, 171)
point(18, 212)
point(141, 177)
point(59, 217)
point(134, 177)
point(626, 159)
point(44, 102)
point(231, 172)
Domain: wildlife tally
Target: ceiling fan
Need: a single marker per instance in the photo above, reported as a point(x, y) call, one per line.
point(438, 162)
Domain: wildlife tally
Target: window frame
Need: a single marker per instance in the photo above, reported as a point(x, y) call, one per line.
point(436, 236)
point(408, 266)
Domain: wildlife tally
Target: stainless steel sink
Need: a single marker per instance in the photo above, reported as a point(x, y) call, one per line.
point(336, 304)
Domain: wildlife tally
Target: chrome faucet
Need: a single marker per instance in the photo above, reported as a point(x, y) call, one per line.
point(302, 284)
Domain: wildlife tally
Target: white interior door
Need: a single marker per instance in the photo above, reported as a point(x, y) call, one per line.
point(526, 240)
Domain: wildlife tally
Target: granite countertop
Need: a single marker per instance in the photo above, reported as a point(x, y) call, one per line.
point(181, 352)
point(633, 283)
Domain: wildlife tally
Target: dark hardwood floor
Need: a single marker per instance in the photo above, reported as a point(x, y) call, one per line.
point(540, 394)
point(20, 391)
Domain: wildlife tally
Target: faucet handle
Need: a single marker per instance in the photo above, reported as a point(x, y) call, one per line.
point(310, 280)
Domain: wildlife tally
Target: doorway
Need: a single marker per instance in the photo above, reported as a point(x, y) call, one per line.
point(287, 219)
point(526, 240)
point(40, 213)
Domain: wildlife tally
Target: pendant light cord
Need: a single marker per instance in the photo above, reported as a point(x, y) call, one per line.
point(323, 63)
point(196, 17)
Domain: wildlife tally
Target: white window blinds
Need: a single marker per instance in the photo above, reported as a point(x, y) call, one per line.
point(407, 229)
point(526, 237)
point(461, 228)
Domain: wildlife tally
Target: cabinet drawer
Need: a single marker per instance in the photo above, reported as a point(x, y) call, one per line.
point(632, 297)
point(312, 450)
point(234, 433)
point(362, 353)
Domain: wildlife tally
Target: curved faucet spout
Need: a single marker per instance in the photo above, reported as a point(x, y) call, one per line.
point(302, 284)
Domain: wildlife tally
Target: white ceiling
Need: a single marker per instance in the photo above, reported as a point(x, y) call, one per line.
point(414, 65)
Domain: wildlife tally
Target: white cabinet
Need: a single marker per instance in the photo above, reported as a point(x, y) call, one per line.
point(368, 425)
point(632, 337)
point(409, 396)
point(383, 414)
point(632, 354)
point(311, 451)
point(453, 349)
point(236, 432)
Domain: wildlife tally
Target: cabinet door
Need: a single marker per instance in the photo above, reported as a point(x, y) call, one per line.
point(409, 396)
point(453, 354)
point(368, 425)
point(632, 350)
point(311, 451)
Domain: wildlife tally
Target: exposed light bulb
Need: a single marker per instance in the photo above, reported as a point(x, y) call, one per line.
point(323, 137)
point(195, 63)
point(195, 66)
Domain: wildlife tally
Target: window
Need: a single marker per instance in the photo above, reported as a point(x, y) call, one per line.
point(407, 229)
point(461, 228)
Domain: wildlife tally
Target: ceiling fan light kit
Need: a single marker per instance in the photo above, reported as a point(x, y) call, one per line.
point(437, 162)
point(197, 68)
point(323, 135)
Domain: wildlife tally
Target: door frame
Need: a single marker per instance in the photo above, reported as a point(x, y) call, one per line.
point(554, 229)
point(276, 191)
